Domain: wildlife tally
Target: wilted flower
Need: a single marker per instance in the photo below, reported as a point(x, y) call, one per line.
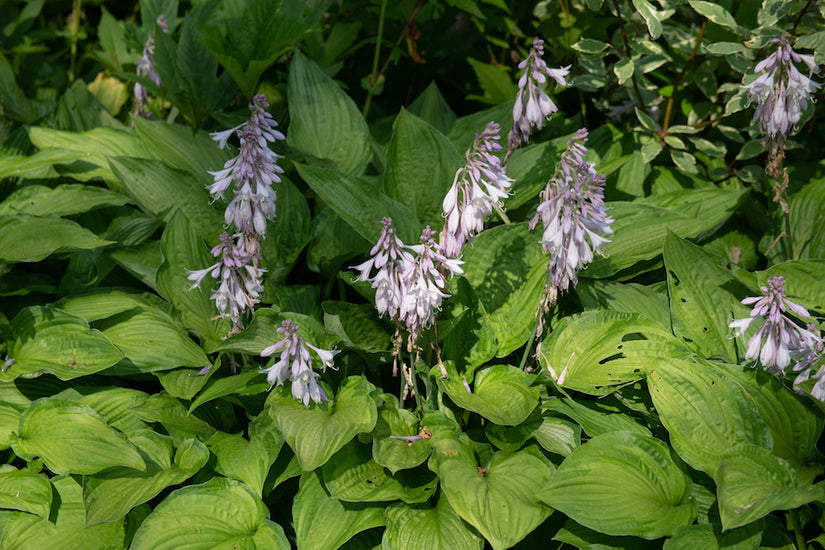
point(240, 279)
point(295, 364)
point(572, 211)
point(533, 105)
point(478, 186)
point(145, 66)
point(781, 94)
point(778, 338)
point(253, 170)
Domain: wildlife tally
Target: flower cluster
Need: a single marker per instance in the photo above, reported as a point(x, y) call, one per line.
point(409, 285)
point(779, 338)
point(253, 170)
point(240, 278)
point(813, 362)
point(478, 187)
point(533, 105)
point(572, 212)
point(145, 66)
point(781, 93)
point(295, 364)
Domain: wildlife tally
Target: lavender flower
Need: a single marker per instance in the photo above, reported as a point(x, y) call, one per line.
point(808, 364)
point(781, 94)
point(572, 212)
point(253, 171)
point(145, 66)
point(533, 105)
point(478, 187)
point(240, 279)
point(778, 338)
point(295, 364)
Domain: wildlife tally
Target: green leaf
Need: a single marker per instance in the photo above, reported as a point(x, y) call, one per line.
point(623, 69)
point(9, 420)
point(802, 279)
point(169, 411)
point(552, 433)
point(397, 454)
point(101, 303)
point(420, 527)
point(648, 492)
point(287, 235)
point(651, 17)
point(710, 537)
point(590, 46)
point(45, 339)
point(469, 339)
point(624, 297)
point(807, 209)
point(495, 81)
point(420, 185)
point(250, 382)
point(352, 475)
point(502, 501)
point(63, 200)
point(323, 522)
point(594, 417)
point(25, 491)
point(752, 482)
point(360, 204)
point(596, 351)
point(316, 432)
point(725, 48)
point(432, 108)
point(632, 175)
point(221, 513)
point(68, 530)
point(72, 438)
point(110, 495)
point(324, 121)
point(261, 332)
point(247, 460)
point(580, 536)
point(161, 190)
point(27, 238)
point(704, 297)
point(183, 248)
point(357, 325)
point(705, 412)
point(114, 405)
point(506, 268)
point(717, 14)
point(501, 393)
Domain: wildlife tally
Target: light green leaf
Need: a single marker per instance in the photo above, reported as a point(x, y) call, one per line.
point(710, 537)
point(432, 108)
point(751, 482)
point(46, 339)
point(63, 200)
point(502, 500)
point(324, 121)
point(716, 13)
point(649, 493)
point(623, 69)
point(495, 81)
point(624, 297)
point(101, 303)
point(262, 332)
point(421, 527)
point(170, 412)
point(72, 438)
point(9, 420)
point(397, 454)
point(420, 185)
point(651, 17)
point(323, 522)
point(221, 513)
point(25, 491)
point(501, 393)
point(116, 406)
point(68, 531)
point(246, 460)
point(110, 495)
point(705, 412)
point(26, 238)
point(554, 434)
point(590, 46)
point(357, 325)
point(594, 417)
point(316, 432)
point(802, 278)
point(250, 382)
point(725, 48)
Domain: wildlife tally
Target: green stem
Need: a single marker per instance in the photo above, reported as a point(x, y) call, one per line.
point(796, 526)
point(529, 344)
point(74, 38)
point(788, 229)
point(376, 57)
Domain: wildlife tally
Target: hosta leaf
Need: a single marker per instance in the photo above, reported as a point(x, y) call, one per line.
point(710, 537)
point(109, 495)
point(25, 491)
point(648, 492)
point(68, 530)
point(554, 434)
point(246, 460)
point(323, 522)
point(45, 339)
point(506, 268)
point(431, 107)
point(802, 280)
point(420, 185)
point(580, 536)
point(221, 513)
point(324, 121)
point(262, 332)
point(752, 482)
point(9, 420)
point(170, 412)
point(501, 501)
point(250, 382)
point(625, 297)
point(316, 432)
point(26, 238)
point(600, 350)
point(352, 475)
point(358, 326)
point(500, 393)
point(63, 200)
point(72, 438)
point(116, 406)
point(397, 454)
point(594, 417)
point(100, 303)
point(704, 411)
point(420, 527)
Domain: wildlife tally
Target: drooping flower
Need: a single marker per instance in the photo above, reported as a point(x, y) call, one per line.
point(295, 364)
point(145, 66)
point(533, 105)
point(573, 214)
point(253, 170)
point(240, 279)
point(779, 338)
point(781, 93)
point(811, 365)
point(478, 187)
